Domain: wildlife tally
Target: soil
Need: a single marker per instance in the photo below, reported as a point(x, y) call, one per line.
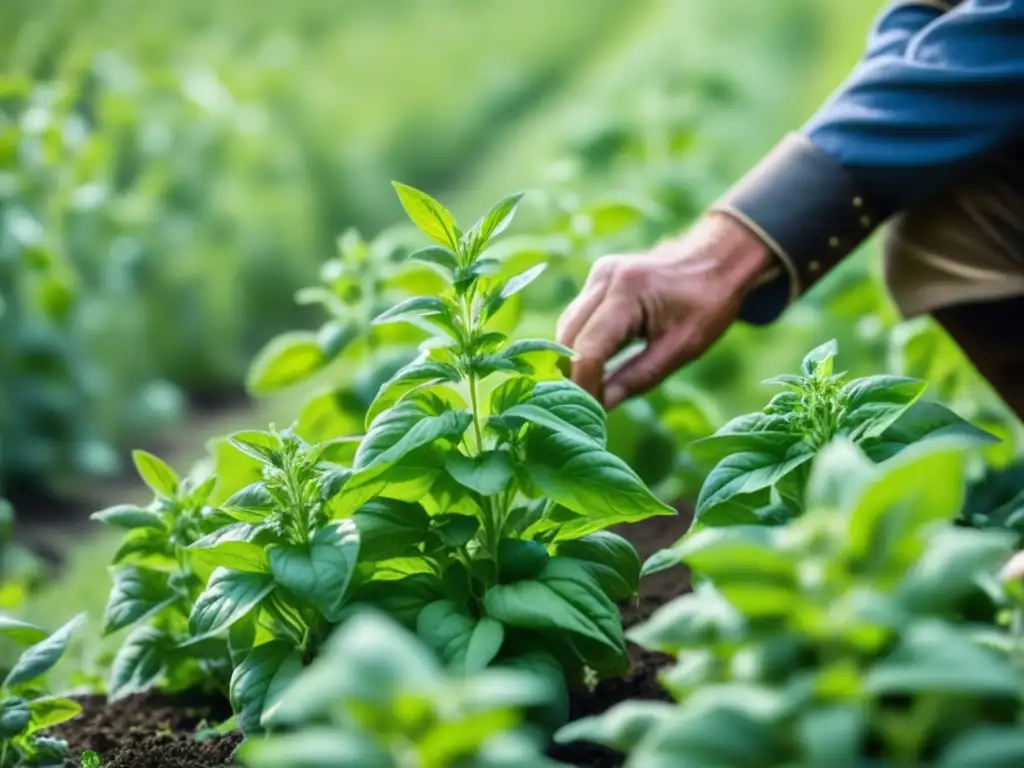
point(149, 730)
point(154, 730)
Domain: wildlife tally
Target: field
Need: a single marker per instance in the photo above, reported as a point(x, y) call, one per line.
point(295, 474)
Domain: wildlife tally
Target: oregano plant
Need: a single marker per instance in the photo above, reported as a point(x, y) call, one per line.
point(156, 580)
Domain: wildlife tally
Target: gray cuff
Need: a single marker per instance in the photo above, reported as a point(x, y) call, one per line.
point(808, 209)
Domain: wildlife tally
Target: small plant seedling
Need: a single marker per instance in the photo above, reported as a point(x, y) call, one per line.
point(91, 759)
point(25, 708)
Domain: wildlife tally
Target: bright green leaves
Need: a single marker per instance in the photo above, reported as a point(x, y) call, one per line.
point(287, 360)
point(404, 428)
point(137, 594)
point(432, 218)
point(140, 662)
point(228, 597)
point(460, 641)
point(160, 478)
point(320, 571)
point(38, 659)
point(128, 516)
point(491, 224)
point(260, 680)
point(562, 407)
point(759, 460)
point(565, 597)
point(488, 473)
point(598, 486)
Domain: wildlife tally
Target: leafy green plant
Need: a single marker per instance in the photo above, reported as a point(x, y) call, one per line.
point(91, 759)
point(377, 698)
point(156, 580)
point(760, 461)
point(474, 508)
point(838, 638)
point(25, 708)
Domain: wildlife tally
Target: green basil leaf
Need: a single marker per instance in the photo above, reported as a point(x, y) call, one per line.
point(510, 393)
point(432, 218)
point(416, 308)
point(420, 372)
point(561, 406)
point(519, 560)
point(875, 402)
point(924, 420)
point(404, 428)
point(460, 641)
point(403, 598)
point(612, 560)
point(621, 728)
point(20, 631)
point(488, 473)
point(441, 259)
point(745, 473)
point(265, 447)
point(236, 555)
point(515, 284)
point(408, 479)
point(523, 347)
point(709, 451)
point(229, 596)
point(455, 530)
point(260, 680)
point(49, 711)
point(142, 543)
point(819, 360)
point(595, 484)
point(564, 597)
point(832, 736)
point(320, 572)
point(155, 473)
point(286, 360)
point(253, 498)
point(694, 621)
point(315, 747)
point(139, 662)
point(38, 659)
point(491, 224)
point(129, 516)
point(390, 528)
point(137, 594)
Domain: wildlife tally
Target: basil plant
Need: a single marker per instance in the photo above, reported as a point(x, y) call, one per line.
point(26, 710)
point(760, 461)
point(156, 580)
point(377, 698)
point(473, 509)
point(837, 639)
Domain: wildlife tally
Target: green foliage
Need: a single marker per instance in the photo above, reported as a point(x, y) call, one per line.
point(837, 638)
point(377, 698)
point(91, 759)
point(26, 710)
point(21, 571)
point(473, 509)
point(759, 462)
point(156, 580)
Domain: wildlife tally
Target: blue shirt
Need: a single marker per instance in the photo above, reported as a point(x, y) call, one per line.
point(939, 89)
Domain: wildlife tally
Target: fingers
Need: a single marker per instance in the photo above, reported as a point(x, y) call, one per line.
point(579, 311)
point(662, 357)
point(612, 324)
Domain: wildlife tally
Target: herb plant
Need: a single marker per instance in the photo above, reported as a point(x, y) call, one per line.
point(837, 639)
point(760, 461)
point(377, 698)
point(156, 582)
point(474, 508)
point(25, 708)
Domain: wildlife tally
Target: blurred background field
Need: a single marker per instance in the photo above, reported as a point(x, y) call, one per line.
point(171, 173)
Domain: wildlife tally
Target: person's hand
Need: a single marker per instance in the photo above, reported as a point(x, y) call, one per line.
point(679, 298)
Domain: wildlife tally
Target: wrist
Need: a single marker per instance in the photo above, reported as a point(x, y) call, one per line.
point(742, 260)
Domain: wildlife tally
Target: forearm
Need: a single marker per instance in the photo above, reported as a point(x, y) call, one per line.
point(934, 95)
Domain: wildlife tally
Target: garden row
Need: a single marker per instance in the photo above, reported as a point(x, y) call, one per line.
point(152, 204)
point(432, 592)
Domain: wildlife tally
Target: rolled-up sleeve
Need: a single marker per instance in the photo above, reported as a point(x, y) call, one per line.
point(940, 87)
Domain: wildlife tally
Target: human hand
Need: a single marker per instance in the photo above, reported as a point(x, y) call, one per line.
point(680, 298)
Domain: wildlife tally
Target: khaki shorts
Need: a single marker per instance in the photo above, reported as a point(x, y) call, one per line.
point(964, 246)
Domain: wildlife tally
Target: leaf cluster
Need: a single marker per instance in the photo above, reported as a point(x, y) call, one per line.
point(760, 461)
point(377, 698)
point(838, 638)
point(26, 709)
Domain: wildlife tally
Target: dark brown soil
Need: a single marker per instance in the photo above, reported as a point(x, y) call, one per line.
point(149, 730)
point(641, 682)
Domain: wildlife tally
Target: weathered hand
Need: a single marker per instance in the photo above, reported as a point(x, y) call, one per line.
point(680, 298)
